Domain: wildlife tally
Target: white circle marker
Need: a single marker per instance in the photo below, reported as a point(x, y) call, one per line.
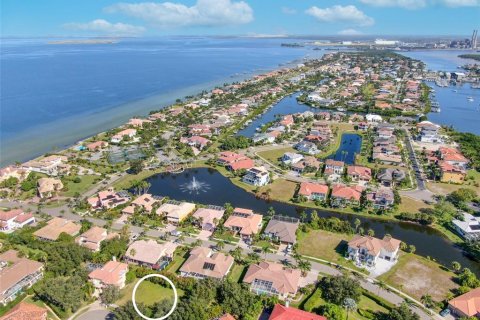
point(175, 296)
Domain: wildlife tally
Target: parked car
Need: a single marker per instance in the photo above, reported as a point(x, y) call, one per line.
point(445, 312)
point(176, 233)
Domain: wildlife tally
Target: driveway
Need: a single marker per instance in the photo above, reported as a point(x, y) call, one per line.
point(99, 314)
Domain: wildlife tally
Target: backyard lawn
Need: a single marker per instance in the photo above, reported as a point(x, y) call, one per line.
point(178, 259)
point(273, 155)
point(281, 189)
point(237, 272)
point(147, 293)
point(417, 276)
point(323, 245)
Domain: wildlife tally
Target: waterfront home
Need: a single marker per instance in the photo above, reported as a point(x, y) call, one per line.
point(150, 253)
point(26, 311)
point(466, 305)
point(108, 199)
point(55, 227)
point(48, 187)
point(93, 237)
point(469, 227)
point(234, 161)
point(287, 121)
point(363, 126)
point(389, 176)
point(281, 312)
point(359, 173)
point(343, 195)
point(97, 145)
point(144, 202)
point(15, 219)
point(16, 274)
point(373, 118)
point(282, 229)
point(200, 130)
point(124, 134)
point(136, 122)
point(334, 167)
point(244, 222)
point(291, 158)
point(451, 173)
point(50, 165)
point(176, 211)
point(453, 157)
point(385, 130)
point(384, 158)
point(313, 191)
point(309, 164)
point(209, 217)
point(273, 279)
point(383, 198)
point(257, 176)
point(113, 273)
point(196, 141)
point(13, 172)
point(204, 263)
point(307, 147)
point(367, 250)
point(428, 132)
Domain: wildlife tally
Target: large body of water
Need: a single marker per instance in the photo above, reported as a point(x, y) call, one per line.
point(350, 146)
point(456, 110)
point(220, 190)
point(54, 95)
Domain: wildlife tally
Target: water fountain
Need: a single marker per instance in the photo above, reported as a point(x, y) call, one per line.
point(195, 186)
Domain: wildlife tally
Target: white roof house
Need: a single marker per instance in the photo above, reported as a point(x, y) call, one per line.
point(469, 228)
point(373, 118)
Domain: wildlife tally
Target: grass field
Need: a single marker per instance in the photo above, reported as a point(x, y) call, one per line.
point(147, 293)
point(273, 155)
point(126, 181)
point(281, 189)
point(418, 276)
point(323, 245)
point(411, 205)
point(237, 272)
point(86, 183)
point(446, 188)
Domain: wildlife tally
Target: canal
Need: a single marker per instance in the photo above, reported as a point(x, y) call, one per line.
point(220, 190)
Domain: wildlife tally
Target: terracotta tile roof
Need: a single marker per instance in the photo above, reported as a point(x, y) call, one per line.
point(55, 227)
point(334, 163)
point(307, 188)
point(288, 313)
point(110, 273)
point(209, 215)
point(363, 172)
point(248, 225)
point(18, 269)
point(226, 316)
point(8, 215)
point(283, 280)
point(375, 245)
point(203, 261)
point(26, 311)
point(347, 192)
point(468, 303)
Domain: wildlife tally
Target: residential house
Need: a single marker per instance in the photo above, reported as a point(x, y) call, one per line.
point(282, 229)
point(234, 161)
point(367, 250)
point(281, 312)
point(108, 199)
point(393, 159)
point(93, 237)
point(50, 165)
point(257, 176)
point(244, 222)
point(204, 263)
point(359, 173)
point(343, 195)
point(150, 253)
point(373, 118)
point(175, 211)
point(428, 132)
point(26, 311)
point(333, 167)
point(451, 173)
point(57, 226)
point(389, 177)
point(453, 157)
point(13, 172)
point(127, 133)
point(113, 273)
point(307, 147)
point(383, 198)
point(209, 217)
point(466, 305)
point(469, 227)
point(97, 145)
point(144, 202)
point(313, 191)
point(16, 274)
point(136, 122)
point(309, 164)
point(273, 279)
point(15, 219)
point(291, 158)
point(48, 187)
point(196, 141)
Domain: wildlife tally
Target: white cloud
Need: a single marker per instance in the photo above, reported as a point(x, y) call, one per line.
point(407, 4)
point(202, 13)
point(288, 10)
point(348, 14)
point(105, 27)
point(349, 32)
point(461, 3)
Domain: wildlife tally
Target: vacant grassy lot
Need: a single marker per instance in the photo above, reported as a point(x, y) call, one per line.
point(147, 293)
point(273, 155)
point(411, 205)
point(323, 245)
point(86, 183)
point(418, 276)
point(446, 188)
point(281, 189)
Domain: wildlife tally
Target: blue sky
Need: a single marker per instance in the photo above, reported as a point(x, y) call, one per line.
point(238, 17)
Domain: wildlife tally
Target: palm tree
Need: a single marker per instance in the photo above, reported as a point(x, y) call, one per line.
point(266, 249)
point(357, 224)
point(253, 257)
point(456, 266)
point(303, 216)
point(220, 245)
point(370, 232)
point(350, 305)
point(304, 266)
point(427, 300)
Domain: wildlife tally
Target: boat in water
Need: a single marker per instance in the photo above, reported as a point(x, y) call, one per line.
point(470, 99)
